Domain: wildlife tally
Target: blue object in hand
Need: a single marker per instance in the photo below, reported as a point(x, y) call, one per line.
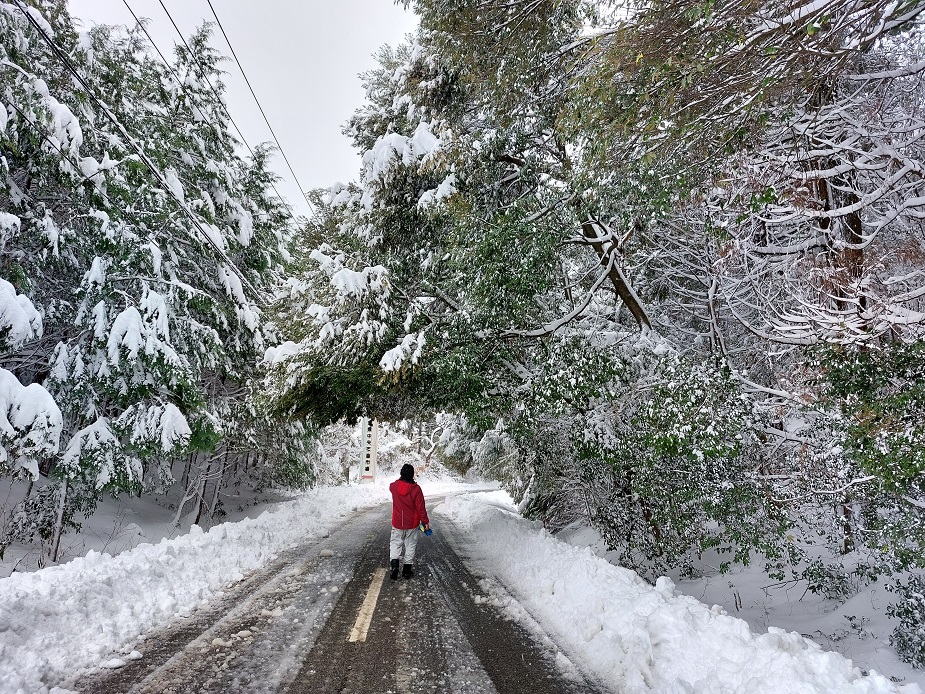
point(428, 532)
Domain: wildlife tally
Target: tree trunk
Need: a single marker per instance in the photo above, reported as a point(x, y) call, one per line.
point(202, 492)
point(619, 282)
point(835, 194)
point(59, 522)
point(186, 497)
point(202, 501)
point(218, 486)
point(184, 480)
point(847, 515)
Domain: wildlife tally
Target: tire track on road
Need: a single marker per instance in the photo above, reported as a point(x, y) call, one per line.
point(184, 656)
point(287, 628)
point(433, 633)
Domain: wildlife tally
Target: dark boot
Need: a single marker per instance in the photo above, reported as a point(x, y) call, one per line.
point(394, 566)
point(407, 572)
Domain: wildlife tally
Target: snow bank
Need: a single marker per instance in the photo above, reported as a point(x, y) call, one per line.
point(63, 618)
point(641, 638)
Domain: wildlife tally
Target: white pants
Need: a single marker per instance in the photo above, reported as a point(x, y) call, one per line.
point(403, 538)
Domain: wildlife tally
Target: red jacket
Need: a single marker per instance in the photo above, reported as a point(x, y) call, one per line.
point(407, 505)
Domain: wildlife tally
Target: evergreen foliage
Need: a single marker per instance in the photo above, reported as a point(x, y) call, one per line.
point(139, 245)
point(666, 257)
point(909, 637)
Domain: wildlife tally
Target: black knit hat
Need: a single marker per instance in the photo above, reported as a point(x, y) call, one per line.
point(407, 472)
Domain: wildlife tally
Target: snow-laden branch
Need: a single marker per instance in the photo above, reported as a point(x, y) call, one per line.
point(829, 492)
point(19, 321)
point(30, 423)
point(555, 325)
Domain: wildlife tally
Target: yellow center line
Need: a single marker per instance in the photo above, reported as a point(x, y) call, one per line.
point(358, 633)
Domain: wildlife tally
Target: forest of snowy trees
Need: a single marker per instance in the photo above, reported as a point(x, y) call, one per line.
point(666, 259)
point(659, 267)
point(138, 249)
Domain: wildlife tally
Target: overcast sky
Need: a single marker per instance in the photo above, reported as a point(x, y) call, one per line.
point(302, 58)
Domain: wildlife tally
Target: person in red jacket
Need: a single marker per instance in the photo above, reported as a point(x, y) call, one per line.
point(408, 511)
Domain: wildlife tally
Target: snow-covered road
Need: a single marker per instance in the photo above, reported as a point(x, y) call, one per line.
point(252, 639)
point(433, 633)
point(265, 604)
point(288, 628)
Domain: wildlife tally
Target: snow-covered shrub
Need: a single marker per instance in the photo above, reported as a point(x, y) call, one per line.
point(33, 520)
point(497, 456)
point(881, 396)
point(682, 473)
point(394, 449)
point(909, 637)
point(832, 581)
point(876, 409)
point(457, 442)
point(338, 448)
point(291, 458)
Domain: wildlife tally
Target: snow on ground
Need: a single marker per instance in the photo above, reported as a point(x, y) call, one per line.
point(638, 637)
point(76, 615)
point(858, 627)
point(121, 523)
point(629, 634)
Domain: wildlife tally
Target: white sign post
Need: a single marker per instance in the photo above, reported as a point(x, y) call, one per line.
point(369, 436)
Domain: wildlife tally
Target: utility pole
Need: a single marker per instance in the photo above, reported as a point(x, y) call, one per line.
point(369, 437)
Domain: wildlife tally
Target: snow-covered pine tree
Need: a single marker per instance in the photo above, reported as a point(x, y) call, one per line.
point(146, 242)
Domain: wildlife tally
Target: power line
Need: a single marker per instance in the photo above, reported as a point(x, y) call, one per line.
point(141, 26)
point(262, 113)
point(138, 150)
point(202, 74)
